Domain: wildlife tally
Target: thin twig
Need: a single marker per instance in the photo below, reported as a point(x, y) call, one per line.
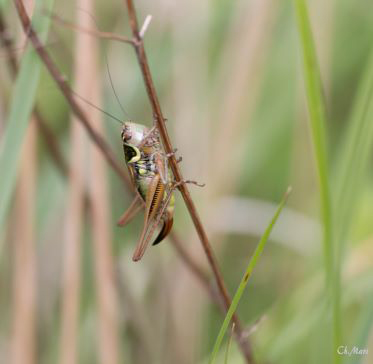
point(197, 270)
point(92, 32)
point(44, 129)
point(67, 92)
point(160, 122)
point(183, 254)
point(101, 144)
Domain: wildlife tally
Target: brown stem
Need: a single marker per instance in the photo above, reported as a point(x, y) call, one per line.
point(92, 32)
point(182, 253)
point(160, 121)
point(68, 94)
point(197, 270)
point(44, 129)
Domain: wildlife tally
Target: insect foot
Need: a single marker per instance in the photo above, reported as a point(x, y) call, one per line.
point(168, 155)
point(195, 183)
point(173, 153)
point(177, 184)
point(155, 119)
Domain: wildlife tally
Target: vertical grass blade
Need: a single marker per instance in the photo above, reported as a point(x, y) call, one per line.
point(353, 158)
point(104, 263)
point(354, 155)
point(252, 263)
point(227, 350)
point(317, 114)
point(22, 101)
point(74, 221)
point(24, 273)
point(363, 330)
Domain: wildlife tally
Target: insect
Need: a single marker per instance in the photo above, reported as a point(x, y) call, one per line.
point(148, 168)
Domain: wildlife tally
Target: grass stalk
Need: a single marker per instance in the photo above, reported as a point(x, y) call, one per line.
point(73, 228)
point(24, 274)
point(68, 93)
point(22, 100)
point(317, 116)
point(242, 65)
point(353, 156)
point(72, 251)
point(106, 294)
point(227, 350)
point(47, 134)
point(160, 122)
point(250, 267)
point(363, 329)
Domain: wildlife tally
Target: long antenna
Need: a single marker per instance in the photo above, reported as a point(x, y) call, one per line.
point(107, 64)
point(111, 81)
point(96, 107)
point(113, 88)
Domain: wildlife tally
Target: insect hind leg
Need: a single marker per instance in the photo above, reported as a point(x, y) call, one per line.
point(179, 183)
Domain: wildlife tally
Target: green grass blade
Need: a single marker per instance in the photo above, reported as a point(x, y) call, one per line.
point(362, 331)
point(317, 119)
point(22, 101)
point(354, 155)
point(317, 114)
point(252, 263)
point(227, 350)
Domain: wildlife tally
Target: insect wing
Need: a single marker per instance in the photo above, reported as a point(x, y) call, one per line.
point(166, 228)
point(153, 203)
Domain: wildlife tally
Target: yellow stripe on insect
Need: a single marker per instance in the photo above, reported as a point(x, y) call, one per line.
point(137, 157)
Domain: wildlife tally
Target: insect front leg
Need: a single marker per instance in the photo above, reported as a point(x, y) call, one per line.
point(162, 164)
point(153, 131)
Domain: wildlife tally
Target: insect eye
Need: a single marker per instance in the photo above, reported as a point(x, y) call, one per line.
point(126, 133)
point(131, 153)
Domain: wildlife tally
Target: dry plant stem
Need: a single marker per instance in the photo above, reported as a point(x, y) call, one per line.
point(94, 33)
point(67, 92)
point(57, 77)
point(23, 340)
point(137, 319)
point(197, 271)
point(106, 289)
point(150, 88)
point(45, 131)
point(23, 348)
point(243, 63)
point(62, 84)
point(71, 279)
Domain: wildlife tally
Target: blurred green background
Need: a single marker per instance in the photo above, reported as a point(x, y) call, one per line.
point(230, 80)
